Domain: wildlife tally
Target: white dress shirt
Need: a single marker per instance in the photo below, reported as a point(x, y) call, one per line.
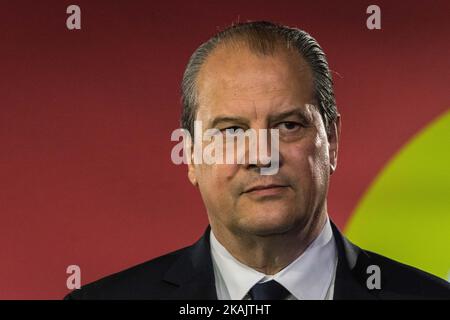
point(309, 277)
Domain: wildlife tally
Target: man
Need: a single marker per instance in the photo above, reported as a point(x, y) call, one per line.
point(270, 236)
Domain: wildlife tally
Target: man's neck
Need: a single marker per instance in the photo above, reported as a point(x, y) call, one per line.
point(270, 254)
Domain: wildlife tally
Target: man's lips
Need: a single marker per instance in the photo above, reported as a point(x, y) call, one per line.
point(265, 188)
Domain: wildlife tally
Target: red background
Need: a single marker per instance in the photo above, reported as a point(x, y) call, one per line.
point(86, 117)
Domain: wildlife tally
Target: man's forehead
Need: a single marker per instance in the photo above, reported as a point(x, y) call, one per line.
point(242, 83)
point(240, 74)
point(235, 67)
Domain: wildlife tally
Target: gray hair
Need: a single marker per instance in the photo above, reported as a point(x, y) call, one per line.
point(262, 37)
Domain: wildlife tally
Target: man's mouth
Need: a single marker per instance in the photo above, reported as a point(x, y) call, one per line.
point(265, 189)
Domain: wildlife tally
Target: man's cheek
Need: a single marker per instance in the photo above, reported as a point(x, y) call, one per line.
point(296, 155)
point(304, 165)
point(226, 172)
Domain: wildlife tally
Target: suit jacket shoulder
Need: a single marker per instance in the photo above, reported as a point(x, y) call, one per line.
point(401, 281)
point(142, 281)
point(397, 280)
point(183, 274)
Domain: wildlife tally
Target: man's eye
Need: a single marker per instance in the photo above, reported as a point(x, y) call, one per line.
point(288, 126)
point(232, 130)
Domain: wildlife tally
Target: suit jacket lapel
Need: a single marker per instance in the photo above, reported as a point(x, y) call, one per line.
point(193, 272)
point(351, 276)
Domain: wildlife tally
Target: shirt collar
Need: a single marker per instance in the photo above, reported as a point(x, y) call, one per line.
point(307, 277)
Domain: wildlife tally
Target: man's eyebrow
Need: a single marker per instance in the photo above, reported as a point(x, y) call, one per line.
point(293, 112)
point(232, 119)
point(272, 118)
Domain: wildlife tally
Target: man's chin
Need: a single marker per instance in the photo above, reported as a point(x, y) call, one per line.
point(267, 226)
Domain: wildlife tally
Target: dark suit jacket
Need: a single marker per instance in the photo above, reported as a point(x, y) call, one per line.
point(188, 274)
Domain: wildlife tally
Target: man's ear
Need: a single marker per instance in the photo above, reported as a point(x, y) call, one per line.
point(191, 175)
point(188, 145)
point(334, 133)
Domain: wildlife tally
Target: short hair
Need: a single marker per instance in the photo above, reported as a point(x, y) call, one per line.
point(262, 37)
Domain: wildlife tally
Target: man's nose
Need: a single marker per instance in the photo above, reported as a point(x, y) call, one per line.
point(259, 152)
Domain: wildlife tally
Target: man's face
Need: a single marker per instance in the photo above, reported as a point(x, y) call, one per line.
point(239, 89)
